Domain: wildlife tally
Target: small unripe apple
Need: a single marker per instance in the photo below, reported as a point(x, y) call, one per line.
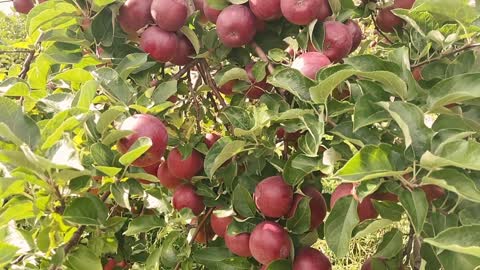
point(273, 197)
point(134, 15)
point(160, 44)
point(211, 139)
point(310, 258)
point(266, 10)
point(169, 15)
point(238, 244)
point(186, 197)
point(236, 26)
point(301, 12)
point(365, 209)
point(220, 224)
point(184, 51)
point(269, 242)
point(211, 13)
point(23, 6)
point(355, 32)
point(184, 168)
point(144, 125)
point(310, 63)
point(166, 178)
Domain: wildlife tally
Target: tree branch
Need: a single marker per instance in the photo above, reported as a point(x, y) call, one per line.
point(417, 257)
point(259, 51)
point(185, 69)
point(445, 54)
point(408, 247)
point(193, 94)
point(207, 77)
point(378, 29)
point(30, 57)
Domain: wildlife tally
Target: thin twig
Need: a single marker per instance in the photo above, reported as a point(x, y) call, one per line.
point(441, 56)
point(185, 69)
point(30, 57)
point(16, 51)
point(408, 247)
point(207, 77)
point(259, 51)
point(330, 121)
point(380, 31)
point(197, 231)
point(193, 94)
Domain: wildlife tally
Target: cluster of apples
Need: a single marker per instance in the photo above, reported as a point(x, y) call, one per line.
point(163, 19)
point(387, 21)
point(24, 6)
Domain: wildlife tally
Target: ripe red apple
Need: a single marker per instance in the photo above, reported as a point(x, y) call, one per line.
point(166, 178)
point(269, 242)
point(260, 25)
point(405, 4)
point(355, 32)
point(144, 125)
point(110, 265)
point(273, 197)
point(301, 12)
point(238, 244)
point(220, 224)
point(417, 74)
point(433, 192)
point(258, 88)
point(211, 139)
point(310, 63)
point(184, 51)
point(318, 206)
point(384, 196)
point(310, 258)
point(365, 209)
point(160, 44)
point(324, 11)
point(227, 88)
point(211, 13)
point(134, 15)
point(184, 168)
point(266, 10)
point(23, 6)
point(169, 15)
point(236, 26)
point(387, 21)
point(338, 41)
point(186, 197)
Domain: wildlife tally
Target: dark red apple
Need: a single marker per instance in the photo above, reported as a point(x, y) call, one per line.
point(324, 11)
point(318, 206)
point(184, 168)
point(365, 209)
point(405, 4)
point(258, 88)
point(301, 12)
point(384, 196)
point(23, 6)
point(110, 265)
point(387, 21)
point(220, 224)
point(227, 88)
point(144, 125)
point(266, 10)
point(134, 15)
point(433, 192)
point(355, 32)
point(211, 13)
point(186, 197)
point(310, 258)
point(310, 63)
point(338, 41)
point(184, 51)
point(236, 26)
point(273, 197)
point(269, 242)
point(166, 178)
point(169, 15)
point(211, 139)
point(160, 44)
point(238, 244)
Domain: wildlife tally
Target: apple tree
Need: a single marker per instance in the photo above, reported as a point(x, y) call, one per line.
point(239, 134)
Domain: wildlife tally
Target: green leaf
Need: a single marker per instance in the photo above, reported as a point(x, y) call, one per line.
point(14, 87)
point(164, 91)
point(7, 253)
point(416, 205)
point(369, 227)
point(107, 117)
point(340, 224)
point(298, 166)
point(103, 27)
point(391, 244)
point(121, 193)
point(76, 75)
point(367, 112)
point(465, 239)
point(239, 117)
point(454, 261)
point(136, 150)
point(312, 140)
point(455, 181)
point(389, 210)
point(293, 81)
point(86, 211)
point(222, 151)
point(219, 258)
point(87, 94)
point(102, 154)
point(84, 258)
point(63, 53)
point(234, 74)
point(456, 89)
point(242, 202)
point(372, 161)
point(16, 209)
point(461, 154)
point(300, 221)
point(192, 37)
point(470, 215)
point(21, 125)
point(456, 10)
point(144, 224)
point(115, 87)
point(130, 63)
point(279, 265)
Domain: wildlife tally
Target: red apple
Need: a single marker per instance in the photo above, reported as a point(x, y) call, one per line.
point(184, 51)
point(387, 21)
point(160, 44)
point(310, 258)
point(365, 209)
point(310, 63)
point(144, 125)
point(220, 224)
point(324, 11)
point(23, 6)
point(384, 196)
point(266, 10)
point(211, 13)
point(238, 244)
point(355, 32)
point(211, 139)
point(433, 192)
point(417, 74)
point(134, 15)
point(301, 12)
point(227, 88)
point(269, 242)
point(273, 197)
point(236, 26)
point(166, 178)
point(338, 41)
point(110, 265)
point(184, 168)
point(405, 4)
point(169, 15)
point(186, 197)
point(258, 88)
point(318, 206)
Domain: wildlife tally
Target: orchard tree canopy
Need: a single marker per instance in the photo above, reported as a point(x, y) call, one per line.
point(241, 134)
